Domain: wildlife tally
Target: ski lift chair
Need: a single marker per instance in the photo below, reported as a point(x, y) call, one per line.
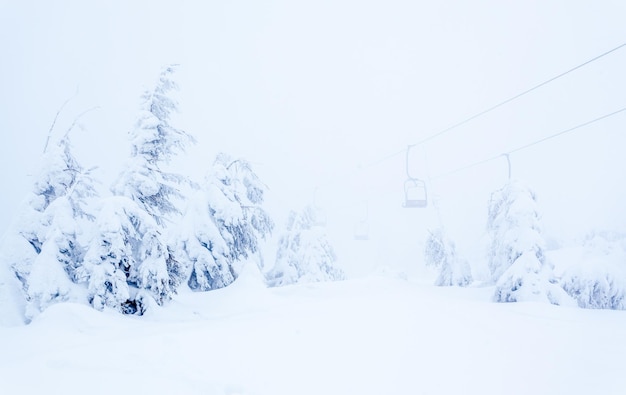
point(415, 195)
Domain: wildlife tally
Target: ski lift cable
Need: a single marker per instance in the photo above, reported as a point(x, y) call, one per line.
point(502, 103)
point(394, 154)
point(494, 107)
point(574, 128)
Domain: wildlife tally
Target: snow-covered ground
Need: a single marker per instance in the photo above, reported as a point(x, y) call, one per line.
point(379, 334)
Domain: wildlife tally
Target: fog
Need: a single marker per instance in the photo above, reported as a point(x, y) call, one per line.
point(319, 94)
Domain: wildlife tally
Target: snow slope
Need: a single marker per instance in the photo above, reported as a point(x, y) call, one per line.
point(375, 335)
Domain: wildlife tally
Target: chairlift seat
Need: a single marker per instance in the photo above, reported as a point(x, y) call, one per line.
point(415, 195)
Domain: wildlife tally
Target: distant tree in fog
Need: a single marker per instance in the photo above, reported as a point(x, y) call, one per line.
point(440, 252)
point(304, 253)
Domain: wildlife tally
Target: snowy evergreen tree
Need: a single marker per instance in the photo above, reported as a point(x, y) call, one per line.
point(440, 252)
point(128, 260)
point(224, 223)
point(131, 245)
point(52, 226)
point(154, 143)
point(304, 253)
point(599, 281)
point(516, 256)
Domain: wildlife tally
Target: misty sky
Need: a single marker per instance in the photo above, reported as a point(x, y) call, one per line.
point(311, 91)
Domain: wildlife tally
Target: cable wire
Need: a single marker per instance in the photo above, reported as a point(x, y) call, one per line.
point(385, 158)
point(530, 144)
point(494, 107)
point(456, 125)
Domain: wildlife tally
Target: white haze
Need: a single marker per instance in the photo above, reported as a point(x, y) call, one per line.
point(311, 91)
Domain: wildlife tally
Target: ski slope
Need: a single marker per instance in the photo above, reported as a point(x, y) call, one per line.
point(380, 334)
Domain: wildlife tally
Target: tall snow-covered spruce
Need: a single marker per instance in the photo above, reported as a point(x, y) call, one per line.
point(154, 142)
point(304, 253)
point(132, 263)
point(224, 223)
point(51, 269)
point(517, 260)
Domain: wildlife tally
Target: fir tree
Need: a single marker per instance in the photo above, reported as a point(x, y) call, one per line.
point(128, 260)
point(154, 142)
point(304, 253)
point(55, 217)
point(131, 244)
point(599, 281)
point(440, 252)
point(225, 222)
point(516, 257)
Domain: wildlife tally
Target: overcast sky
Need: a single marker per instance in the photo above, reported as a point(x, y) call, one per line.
point(309, 91)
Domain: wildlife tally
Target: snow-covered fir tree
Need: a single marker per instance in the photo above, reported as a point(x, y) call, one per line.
point(440, 253)
point(154, 142)
point(224, 224)
point(599, 281)
point(52, 225)
point(131, 244)
point(304, 253)
point(128, 260)
point(517, 261)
